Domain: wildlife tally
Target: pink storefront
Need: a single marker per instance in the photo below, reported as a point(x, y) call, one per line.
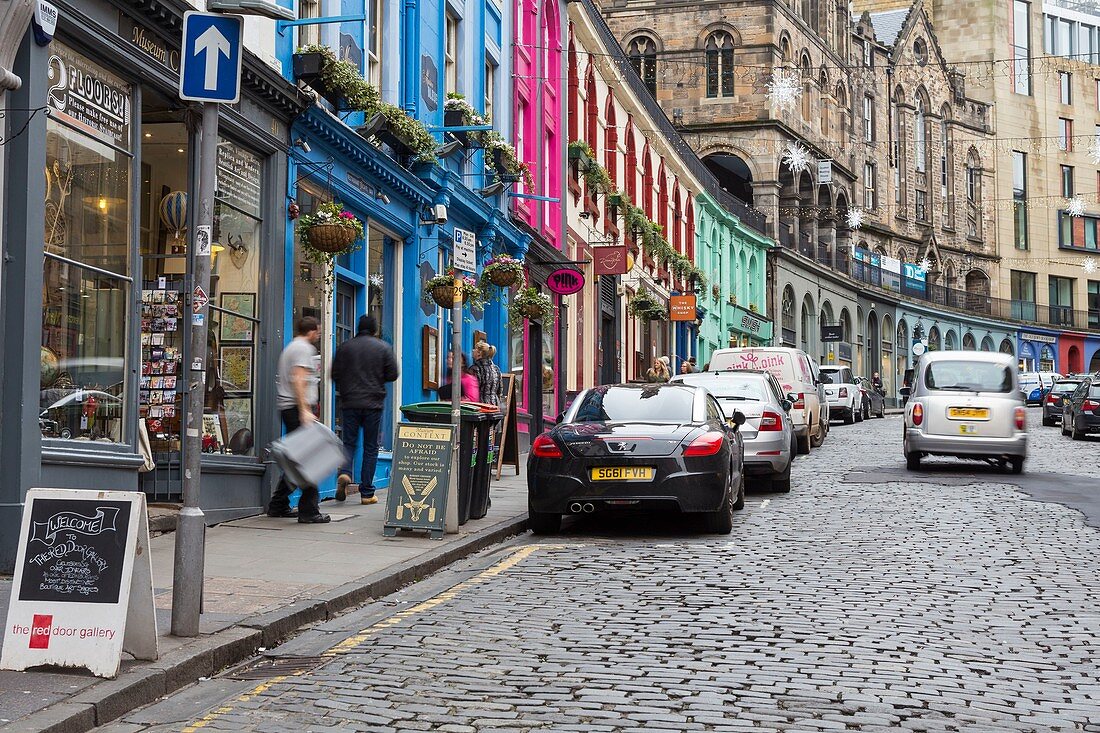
point(538, 349)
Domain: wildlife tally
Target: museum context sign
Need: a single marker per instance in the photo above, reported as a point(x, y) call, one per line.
point(417, 497)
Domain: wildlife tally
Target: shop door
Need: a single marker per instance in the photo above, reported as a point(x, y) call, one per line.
point(534, 383)
point(609, 365)
point(343, 327)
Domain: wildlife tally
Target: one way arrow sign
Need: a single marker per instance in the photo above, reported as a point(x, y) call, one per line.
point(212, 54)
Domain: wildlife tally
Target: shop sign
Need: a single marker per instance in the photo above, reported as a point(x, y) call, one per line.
point(239, 178)
point(845, 352)
point(45, 22)
point(1040, 337)
point(465, 250)
point(610, 260)
point(429, 82)
point(757, 327)
point(832, 333)
point(83, 591)
point(88, 96)
point(417, 498)
point(565, 281)
point(150, 44)
point(682, 308)
point(824, 172)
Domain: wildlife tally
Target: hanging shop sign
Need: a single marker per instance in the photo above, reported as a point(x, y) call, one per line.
point(1040, 337)
point(417, 498)
point(465, 250)
point(429, 82)
point(832, 333)
point(88, 96)
point(824, 172)
point(610, 260)
point(83, 589)
point(565, 281)
point(682, 308)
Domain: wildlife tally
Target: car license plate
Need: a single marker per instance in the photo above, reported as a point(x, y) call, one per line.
point(622, 473)
point(968, 413)
point(968, 430)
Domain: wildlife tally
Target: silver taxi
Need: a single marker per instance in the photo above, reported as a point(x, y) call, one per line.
point(966, 404)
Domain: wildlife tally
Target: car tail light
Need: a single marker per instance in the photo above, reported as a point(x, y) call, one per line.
point(800, 403)
point(1021, 418)
point(1090, 405)
point(1052, 398)
point(706, 444)
point(770, 421)
point(843, 391)
point(918, 413)
point(545, 447)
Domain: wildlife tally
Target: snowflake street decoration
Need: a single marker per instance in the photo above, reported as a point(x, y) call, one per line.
point(1089, 264)
point(1075, 207)
point(797, 158)
point(1094, 151)
point(376, 280)
point(784, 89)
point(855, 218)
point(924, 265)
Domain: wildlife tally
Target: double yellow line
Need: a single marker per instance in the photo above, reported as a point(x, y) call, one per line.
point(352, 642)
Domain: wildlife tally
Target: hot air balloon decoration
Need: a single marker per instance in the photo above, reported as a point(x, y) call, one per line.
point(173, 212)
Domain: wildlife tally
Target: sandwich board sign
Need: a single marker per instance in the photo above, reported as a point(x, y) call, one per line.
point(83, 587)
point(417, 497)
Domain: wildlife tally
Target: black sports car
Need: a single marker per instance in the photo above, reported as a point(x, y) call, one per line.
point(650, 447)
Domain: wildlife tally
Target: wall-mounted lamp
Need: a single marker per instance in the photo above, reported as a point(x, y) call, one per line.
point(300, 143)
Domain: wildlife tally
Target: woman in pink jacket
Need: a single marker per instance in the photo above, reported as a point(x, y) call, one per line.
point(470, 390)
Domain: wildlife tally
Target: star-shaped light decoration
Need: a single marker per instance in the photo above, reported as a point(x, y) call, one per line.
point(855, 218)
point(924, 265)
point(797, 157)
point(1089, 265)
point(1075, 207)
point(785, 88)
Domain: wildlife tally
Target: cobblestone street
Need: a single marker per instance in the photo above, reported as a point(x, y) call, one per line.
point(958, 599)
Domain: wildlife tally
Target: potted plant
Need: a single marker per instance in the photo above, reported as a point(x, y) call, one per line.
point(646, 307)
point(503, 271)
point(331, 229)
point(715, 292)
point(530, 303)
point(503, 160)
point(441, 289)
point(337, 81)
point(457, 112)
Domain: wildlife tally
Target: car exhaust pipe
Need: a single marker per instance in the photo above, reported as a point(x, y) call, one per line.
point(588, 508)
point(575, 507)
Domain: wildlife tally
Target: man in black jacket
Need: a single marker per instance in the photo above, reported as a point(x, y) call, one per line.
point(361, 369)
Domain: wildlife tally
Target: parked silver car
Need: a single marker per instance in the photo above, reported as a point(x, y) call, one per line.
point(768, 432)
point(966, 404)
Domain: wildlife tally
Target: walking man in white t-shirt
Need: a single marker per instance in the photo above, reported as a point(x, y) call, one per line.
point(296, 398)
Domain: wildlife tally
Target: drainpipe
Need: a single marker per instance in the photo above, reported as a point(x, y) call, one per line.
point(410, 30)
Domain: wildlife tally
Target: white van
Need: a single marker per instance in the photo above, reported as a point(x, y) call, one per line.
point(1037, 384)
point(795, 371)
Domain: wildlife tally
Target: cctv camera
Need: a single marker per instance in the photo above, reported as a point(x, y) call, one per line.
point(300, 143)
point(439, 214)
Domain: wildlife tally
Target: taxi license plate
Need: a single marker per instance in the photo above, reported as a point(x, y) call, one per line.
point(622, 473)
point(968, 413)
point(968, 430)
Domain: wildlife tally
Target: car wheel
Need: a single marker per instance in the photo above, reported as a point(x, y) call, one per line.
point(850, 416)
point(1065, 430)
point(1048, 422)
point(1016, 464)
point(819, 437)
point(721, 521)
point(781, 482)
point(1077, 434)
point(543, 523)
point(858, 413)
point(739, 502)
point(912, 461)
point(803, 445)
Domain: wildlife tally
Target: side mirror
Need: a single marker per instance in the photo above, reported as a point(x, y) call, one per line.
point(786, 405)
point(905, 391)
point(792, 398)
point(738, 418)
point(561, 418)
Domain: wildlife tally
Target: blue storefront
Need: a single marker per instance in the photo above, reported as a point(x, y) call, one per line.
point(1037, 349)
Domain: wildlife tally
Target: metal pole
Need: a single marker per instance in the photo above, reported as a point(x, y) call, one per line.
point(187, 571)
point(450, 524)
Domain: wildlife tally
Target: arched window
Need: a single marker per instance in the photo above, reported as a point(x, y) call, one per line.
point(789, 334)
point(785, 49)
point(934, 339)
point(719, 48)
point(920, 138)
point(898, 154)
point(969, 344)
point(677, 219)
point(823, 84)
point(611, 149)
point(642, 51)
point(949, 341)
point(574, 91)
point(843, 112)
point(807, 85)
point(973, 195)
point(647, 183)
point(987, 343)
point(591, 110)
point(806, 327)
point(947, 169)
point(631, 160)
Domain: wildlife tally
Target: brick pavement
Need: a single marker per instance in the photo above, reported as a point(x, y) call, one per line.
point(908, 605)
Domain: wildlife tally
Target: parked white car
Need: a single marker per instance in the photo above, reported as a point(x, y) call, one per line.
point(966, 404)
point(845, 397)
point(795, 372)
point(1036, 385)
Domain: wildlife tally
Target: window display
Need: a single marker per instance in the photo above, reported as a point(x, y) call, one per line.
point(86, 283)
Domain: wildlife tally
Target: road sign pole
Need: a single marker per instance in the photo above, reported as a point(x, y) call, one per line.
point(187, 572)
point(450, 526)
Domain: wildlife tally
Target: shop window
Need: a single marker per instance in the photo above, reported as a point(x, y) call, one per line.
point(86, 273)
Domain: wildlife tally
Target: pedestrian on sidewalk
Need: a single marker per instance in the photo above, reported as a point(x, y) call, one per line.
point(487, 373)
point(659, 371)
point(686, 367)
point(361, 369)
point(296, 380)
point(468, 386)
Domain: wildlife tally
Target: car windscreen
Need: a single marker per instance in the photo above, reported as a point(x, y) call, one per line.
point(752, 389)
point(1094, 392)
point(968, 376)
point(1064, 387)
point(647, 404)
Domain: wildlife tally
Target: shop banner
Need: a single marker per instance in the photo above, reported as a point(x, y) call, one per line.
point(417, 497)
point(832, 333)
point(682, 308)
point(83, 587)
point(565, 281)
point(88, 96)
point(610, 260)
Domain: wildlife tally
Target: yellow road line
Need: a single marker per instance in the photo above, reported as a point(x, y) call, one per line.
point(350, 643)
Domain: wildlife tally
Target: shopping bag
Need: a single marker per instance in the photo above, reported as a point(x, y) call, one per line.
point(308, 455)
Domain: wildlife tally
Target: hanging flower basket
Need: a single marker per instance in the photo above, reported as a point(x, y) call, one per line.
point(530, 304)
point(331, 238)
point(441, 290)
point(531, 310)
point(503, 278)
point(444, 295)
point(503, 271)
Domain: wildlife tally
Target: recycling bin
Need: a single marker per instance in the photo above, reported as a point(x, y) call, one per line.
point(473, 446)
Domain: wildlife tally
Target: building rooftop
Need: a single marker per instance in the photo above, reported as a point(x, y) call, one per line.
point(888, 25)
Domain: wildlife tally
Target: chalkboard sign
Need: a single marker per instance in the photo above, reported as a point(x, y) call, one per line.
point(419, 478)
point(508, 451)
point(83, 587)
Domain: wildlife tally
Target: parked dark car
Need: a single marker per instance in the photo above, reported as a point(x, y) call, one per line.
point(652, 447)
point(874, 402)
point(1057, 397)
point(1081, 411)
